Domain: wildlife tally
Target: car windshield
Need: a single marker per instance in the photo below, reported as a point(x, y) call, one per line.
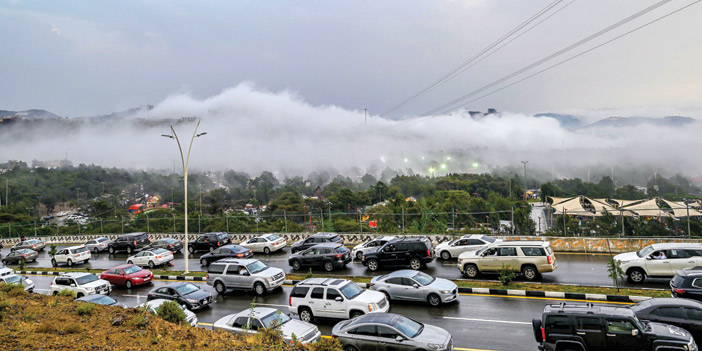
point(14, 279)
point(105, 300)
point(351, 290)
point(480, 252)
point(159, 251)
point(639, 324)
point(132, 269)
point(276, 318)
point(488, 239)
point(645, 251)
point(186, 289)
point(408, 326)
point(89, 278)
point(423, 278)
point(256, 267)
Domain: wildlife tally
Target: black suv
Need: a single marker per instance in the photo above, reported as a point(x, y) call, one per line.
point(328, 255)
point(129, 242)
point(413, 251)
point(314, 239)
point(687, 283)
point(209, 242)
point(570, 327)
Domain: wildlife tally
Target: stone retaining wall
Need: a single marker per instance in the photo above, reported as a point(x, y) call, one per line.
point(560, 244)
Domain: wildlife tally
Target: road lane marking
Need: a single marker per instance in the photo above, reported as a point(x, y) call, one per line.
point(270, 304)
point(547, 298)
point(486, 320)
point(466, 349)
point(207, 324)
point(137, 296)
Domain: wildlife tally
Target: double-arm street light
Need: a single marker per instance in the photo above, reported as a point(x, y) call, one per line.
point(185, 161)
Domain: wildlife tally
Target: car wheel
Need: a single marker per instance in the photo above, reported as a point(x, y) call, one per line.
point(296, 265)
point(445, 255)
point(130, 262)
point(266, 251)
point(203, 262)
point(306, 315)
point(536, 326)
point(434, 300)
point(328, 266)
point(79, 295)
point(53, 262)
point(219, 286)
point(55, 293)
point(95, 250)
point(415, 264)
point(373, 265)
point(636, 276)
point(191, 249)
point(129, 249)
point(259, 289)
point(4, 262)
point(471, 271)
point(530, 272)
point(359, 255)
point(212, 248)
point(387, 295)
point(69, 262)
point(111, 250)
point(355, 314)
point(151, 264)
point(128, 284)
point(350, 348)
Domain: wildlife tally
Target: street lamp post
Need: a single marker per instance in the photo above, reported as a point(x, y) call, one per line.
point(185, 161)
point(525, 180)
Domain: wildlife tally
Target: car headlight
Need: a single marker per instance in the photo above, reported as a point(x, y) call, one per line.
point(445, 291)
point(191, 300)
point(372, 307)
point(87, 288)
point(437, 346)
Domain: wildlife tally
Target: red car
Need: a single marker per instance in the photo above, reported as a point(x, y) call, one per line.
point(127, 275)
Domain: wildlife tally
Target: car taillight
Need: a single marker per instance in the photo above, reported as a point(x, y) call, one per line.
point(290, 300)
point(338, 256)
point(34, 246)
point(239, 255)
point(76, 255)
point(371, 284)
point(207, 276)
point(134, 242)
point(159, 256)
point(170, 245)
point(549, 259)
point(543, 334)
point(679, 291)
point(218, 244)
point(148, 295)
point(428, 253)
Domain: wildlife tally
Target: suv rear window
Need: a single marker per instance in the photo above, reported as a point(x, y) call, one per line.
point(223, 236)
point(216, 268)
point(341, 249)
point(299, 291)
point(81, 249)
point(559, 324)
point(140, 237)
point(533, 251)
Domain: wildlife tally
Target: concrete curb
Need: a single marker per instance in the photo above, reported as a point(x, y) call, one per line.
point(481, 291)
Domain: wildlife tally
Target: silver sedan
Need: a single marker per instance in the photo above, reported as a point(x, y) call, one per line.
point(251, 320)
point(410, 285)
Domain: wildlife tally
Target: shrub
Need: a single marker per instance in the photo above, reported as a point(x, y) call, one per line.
point(12, 290)
point(309, 274)
point(67, 293)
point(22, 264)
point(85, 309)
point(4, 306)
point(507, 274)
point(326, 344)
point(172, 312)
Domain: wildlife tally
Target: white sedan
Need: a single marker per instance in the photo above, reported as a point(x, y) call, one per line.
point(266, 243)
point(454, 248)
point(151, 258)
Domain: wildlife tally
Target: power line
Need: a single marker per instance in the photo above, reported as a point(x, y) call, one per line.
point(429, 114)
point(455, 70)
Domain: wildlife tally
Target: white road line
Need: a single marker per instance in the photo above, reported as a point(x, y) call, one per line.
point(137, 296)
point(270, 304)
point(487, 320)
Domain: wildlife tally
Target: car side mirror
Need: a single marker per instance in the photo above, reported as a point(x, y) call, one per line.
point(399, 338)
point(338, 299)
point(416, 286)
point(73, 285)
point(635, 332)
point(649, 257)
point(245, 274)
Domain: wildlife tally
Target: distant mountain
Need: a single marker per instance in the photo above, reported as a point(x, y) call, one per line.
point(566, 121)
point(29, 114)
point(123, 114)
point(623, 122)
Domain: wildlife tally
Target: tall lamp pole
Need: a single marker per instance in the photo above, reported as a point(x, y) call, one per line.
point(186, 162)
point(525, 180)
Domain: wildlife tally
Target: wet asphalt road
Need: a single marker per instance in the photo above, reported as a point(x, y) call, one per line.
point(573, 268)
point(475, 322)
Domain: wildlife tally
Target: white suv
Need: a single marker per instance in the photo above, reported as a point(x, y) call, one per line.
point(248, 274)
point(334, 298)
point(659, 260)
point(358, 250)
point(81, 283)
point(71, 255)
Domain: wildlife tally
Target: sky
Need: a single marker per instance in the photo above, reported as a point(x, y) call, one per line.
point(81, 58)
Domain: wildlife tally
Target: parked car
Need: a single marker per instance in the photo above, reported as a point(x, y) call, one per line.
point(410, 285)
point(531, 258)
point(33, 244)
point(334, 298)
point(129, 242)
point(455, 248)
point(589, 327)
point(151, 258)
point(101, 300)
point(209, 242)
point(413, 251)
point(26, 255)
point(328, 255)
point(250, 321)
point(2, 246)
point(227, 251)
point(127, 275)
point(170, 244)
point(153, 306)
point(687, 283)
point(6, 271)
point(265, 243)
point(187, 294)
point(358, 250)
point(71, 255)
point(245, 274)
point(390, 331)
point(18, 279)
point(47, 217)
point(82, 284)
point(97, 245)
point(659, 260)
point(314, 239)
point(683, 313)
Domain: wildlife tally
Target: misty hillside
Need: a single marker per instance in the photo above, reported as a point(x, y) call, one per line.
point(621, 122)
point(34, 114)
point(566, 121)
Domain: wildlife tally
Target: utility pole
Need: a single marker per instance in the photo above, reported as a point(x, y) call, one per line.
point(365, 116)
point(687, 208)
point(525, 180)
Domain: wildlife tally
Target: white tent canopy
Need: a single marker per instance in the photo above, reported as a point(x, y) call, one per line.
point(648, 208)
point(681, 210)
